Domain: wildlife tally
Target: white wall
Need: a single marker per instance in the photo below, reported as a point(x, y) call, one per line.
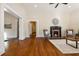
point(74, 20)
point(42, 15)
point(20, 10)
point(44, 19)
point(17, 10)
point(10, 19)
point(2, 48)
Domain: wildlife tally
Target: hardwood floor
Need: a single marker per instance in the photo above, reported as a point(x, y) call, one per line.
point(33, 47)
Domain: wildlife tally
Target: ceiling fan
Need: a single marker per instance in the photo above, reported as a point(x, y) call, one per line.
point(58, 4)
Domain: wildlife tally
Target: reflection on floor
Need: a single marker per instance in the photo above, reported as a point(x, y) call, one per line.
point(32, 47)
point(7, 42)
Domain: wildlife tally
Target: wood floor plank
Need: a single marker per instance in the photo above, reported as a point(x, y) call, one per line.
point(33, 47)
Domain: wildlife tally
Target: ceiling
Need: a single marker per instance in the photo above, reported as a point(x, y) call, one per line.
point(70, 7)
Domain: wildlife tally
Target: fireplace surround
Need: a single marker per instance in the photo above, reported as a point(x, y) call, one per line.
point(55, 32)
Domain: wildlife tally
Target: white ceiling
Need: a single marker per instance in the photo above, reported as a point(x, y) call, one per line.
point(50, 8)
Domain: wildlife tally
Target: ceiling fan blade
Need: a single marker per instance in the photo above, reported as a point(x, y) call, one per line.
point(65, 3)
point(51, 3)
point(56, 5)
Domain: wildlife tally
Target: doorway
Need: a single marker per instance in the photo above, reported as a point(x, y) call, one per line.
point(11, 26)
point(18, 28)
point(33, 28)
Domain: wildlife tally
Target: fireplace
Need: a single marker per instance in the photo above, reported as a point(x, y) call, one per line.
point(55, 31)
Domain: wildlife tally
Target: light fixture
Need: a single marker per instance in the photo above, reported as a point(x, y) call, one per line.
point(5, 9)
point(35, 6)
point(69, 6)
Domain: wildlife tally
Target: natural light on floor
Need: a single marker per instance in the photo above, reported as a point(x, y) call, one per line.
point(5, 38)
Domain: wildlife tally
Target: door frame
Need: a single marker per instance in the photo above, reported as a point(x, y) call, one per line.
point(17, 28)
point(20, 20)
point(21, 37)
point(31, 27)
point(37, 26)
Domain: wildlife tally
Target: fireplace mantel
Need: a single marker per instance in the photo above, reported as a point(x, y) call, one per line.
point(55, 31)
